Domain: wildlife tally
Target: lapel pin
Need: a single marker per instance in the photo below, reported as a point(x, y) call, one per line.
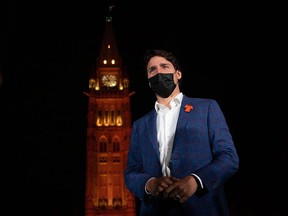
point(188, 108)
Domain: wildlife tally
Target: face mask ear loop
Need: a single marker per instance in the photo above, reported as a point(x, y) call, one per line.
point(177, 79)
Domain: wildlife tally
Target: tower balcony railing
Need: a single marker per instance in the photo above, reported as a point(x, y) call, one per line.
point(109, 93)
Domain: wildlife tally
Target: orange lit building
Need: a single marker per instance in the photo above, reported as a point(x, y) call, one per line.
point(108, 133)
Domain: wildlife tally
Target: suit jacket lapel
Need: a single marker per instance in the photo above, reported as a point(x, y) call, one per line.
point(183, 118)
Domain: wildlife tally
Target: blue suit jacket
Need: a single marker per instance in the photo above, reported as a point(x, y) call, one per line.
point(202, 145)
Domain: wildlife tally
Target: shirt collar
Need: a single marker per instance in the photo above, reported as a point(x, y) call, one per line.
point(174, 102)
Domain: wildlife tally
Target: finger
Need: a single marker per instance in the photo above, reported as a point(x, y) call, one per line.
point(168, 180)
point(183, 199)
point(170, 191)
point(174, 179)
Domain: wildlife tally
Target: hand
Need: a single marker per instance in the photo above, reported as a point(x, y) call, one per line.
point(181, 189)
point(156, 186)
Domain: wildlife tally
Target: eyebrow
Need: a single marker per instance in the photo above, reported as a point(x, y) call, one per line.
point(165, 64)
point(161, 64)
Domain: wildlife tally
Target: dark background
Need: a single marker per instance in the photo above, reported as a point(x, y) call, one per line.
point(233, 53)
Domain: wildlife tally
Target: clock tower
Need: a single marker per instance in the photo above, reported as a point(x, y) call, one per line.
point(108, 133)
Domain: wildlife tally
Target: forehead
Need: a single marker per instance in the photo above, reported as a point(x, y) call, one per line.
point(156, 60)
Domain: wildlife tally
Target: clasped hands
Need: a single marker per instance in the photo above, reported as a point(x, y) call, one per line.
point(172, 188)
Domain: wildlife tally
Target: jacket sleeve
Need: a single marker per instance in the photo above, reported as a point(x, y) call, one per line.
point(225, 158)
point(135, 179)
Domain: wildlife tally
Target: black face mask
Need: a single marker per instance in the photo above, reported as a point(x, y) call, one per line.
point(162, 84)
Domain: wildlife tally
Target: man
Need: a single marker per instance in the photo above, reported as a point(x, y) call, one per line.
point(181, 153)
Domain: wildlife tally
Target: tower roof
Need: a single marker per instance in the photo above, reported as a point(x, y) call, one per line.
point(109, 54)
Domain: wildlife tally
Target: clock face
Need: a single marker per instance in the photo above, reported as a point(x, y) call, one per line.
point(109, 80)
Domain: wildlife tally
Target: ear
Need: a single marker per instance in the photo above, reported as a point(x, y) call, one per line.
point(179, 74)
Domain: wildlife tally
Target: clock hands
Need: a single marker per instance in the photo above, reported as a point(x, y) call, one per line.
point(109, 80)
point(107, 77)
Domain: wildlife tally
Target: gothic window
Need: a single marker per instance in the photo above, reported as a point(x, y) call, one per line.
point(103, 145)
point(112, 119)
point(119, 118)
point(106, 118)
point(116, 145)
point(99, 119)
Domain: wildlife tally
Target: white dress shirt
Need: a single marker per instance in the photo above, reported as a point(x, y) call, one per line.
point(166, 127)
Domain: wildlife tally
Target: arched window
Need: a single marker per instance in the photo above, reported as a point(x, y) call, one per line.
point(116, 145)
point(103, 145)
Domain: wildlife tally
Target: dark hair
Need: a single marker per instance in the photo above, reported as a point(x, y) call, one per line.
point(165, 54)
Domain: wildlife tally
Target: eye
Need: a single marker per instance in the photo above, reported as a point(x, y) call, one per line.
point(150, 70)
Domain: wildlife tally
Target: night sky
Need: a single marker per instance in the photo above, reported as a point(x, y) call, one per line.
point(231, 53)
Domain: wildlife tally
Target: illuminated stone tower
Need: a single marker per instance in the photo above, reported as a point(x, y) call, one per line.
point(108, 133)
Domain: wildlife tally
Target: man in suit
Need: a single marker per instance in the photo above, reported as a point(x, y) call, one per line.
point(181, 153)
